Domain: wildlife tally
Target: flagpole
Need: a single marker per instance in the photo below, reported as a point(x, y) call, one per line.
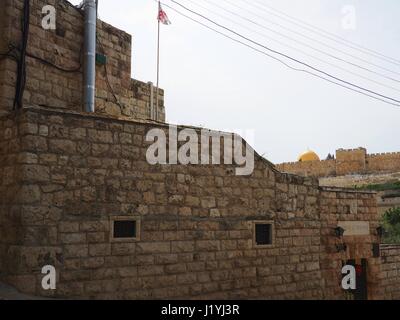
point(158, 60)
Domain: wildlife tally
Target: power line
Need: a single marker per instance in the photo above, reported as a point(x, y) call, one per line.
point(277, 59)
point(294, 48)
point(105, 65)
point(308, 38)
point(284, 55)
point(74, 70)
point(325, 33)
point(307, 45)
point(106, 76)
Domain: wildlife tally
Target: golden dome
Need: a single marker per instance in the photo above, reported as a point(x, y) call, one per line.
point(309, 156)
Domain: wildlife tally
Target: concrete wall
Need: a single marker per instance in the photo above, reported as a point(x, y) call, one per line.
point(197, 236)
point(63, 47)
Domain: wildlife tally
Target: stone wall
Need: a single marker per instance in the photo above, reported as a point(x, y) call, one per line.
point(351, 161)
point(385, 199)
point(10, 155)
point(3, 60)
point(347, 162)
point(359, 180)
point(197, 236)
point(325, 168)
point(346, 205)
point(116, 93)
point(390, 272)
point(384, 162)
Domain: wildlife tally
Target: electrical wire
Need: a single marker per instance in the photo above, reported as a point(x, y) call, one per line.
point(311, 38)
point(21, 63)
point(44, 61)
point(284, 55)
point(307, 45)
point(294, 48)
point(8, 54)
point(105, 65)
point(325, 33)
point(277, 59)
point(106, 77)
point(23, 53)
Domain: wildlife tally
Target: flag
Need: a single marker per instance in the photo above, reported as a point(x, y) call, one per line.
point(162, 16)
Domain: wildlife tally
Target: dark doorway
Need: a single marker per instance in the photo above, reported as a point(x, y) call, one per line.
point(361, 291)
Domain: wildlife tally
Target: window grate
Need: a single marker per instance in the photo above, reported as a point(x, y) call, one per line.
point(263, 234)
point(124, 229)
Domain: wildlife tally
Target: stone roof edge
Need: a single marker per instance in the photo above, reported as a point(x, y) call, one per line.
point(346, 190)
point(59, 111)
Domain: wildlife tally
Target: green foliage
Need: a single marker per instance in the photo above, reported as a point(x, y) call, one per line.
point(391, 224)
point(392, 216)
point(381, 187)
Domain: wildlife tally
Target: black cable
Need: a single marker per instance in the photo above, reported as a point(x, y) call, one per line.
point(313, 39)
point(297, 49)
point(324, 33)
point(105, 66)
point(21, 58)
point(8, 55)
point(110, 87)
point(46, 62)
point(21, 67)
point(74, 70)
point(307, 45)
point(277, 59)
point(285, 55)
point(106, 77)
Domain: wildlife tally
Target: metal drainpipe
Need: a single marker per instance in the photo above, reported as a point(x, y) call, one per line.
point(90, 54)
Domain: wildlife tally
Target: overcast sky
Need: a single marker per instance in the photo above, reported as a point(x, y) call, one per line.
point(214, 82)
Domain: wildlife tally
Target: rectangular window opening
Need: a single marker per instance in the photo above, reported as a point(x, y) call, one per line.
point(125, 229)
point(263, 234)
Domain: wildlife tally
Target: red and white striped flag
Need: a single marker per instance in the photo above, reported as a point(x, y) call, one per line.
point(162, 16)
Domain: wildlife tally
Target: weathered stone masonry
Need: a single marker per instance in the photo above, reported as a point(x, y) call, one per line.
point(63, 47)
point(390, 276)
point(65, 174)
point(73, 172)
point(347, 162)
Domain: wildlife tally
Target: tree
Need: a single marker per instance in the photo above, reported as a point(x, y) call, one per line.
point(391, 224)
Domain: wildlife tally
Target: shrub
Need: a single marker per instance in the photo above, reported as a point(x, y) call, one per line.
point(391, 223)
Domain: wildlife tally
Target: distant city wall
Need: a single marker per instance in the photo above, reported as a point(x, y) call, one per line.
point(347, 162)
point(359, 180)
